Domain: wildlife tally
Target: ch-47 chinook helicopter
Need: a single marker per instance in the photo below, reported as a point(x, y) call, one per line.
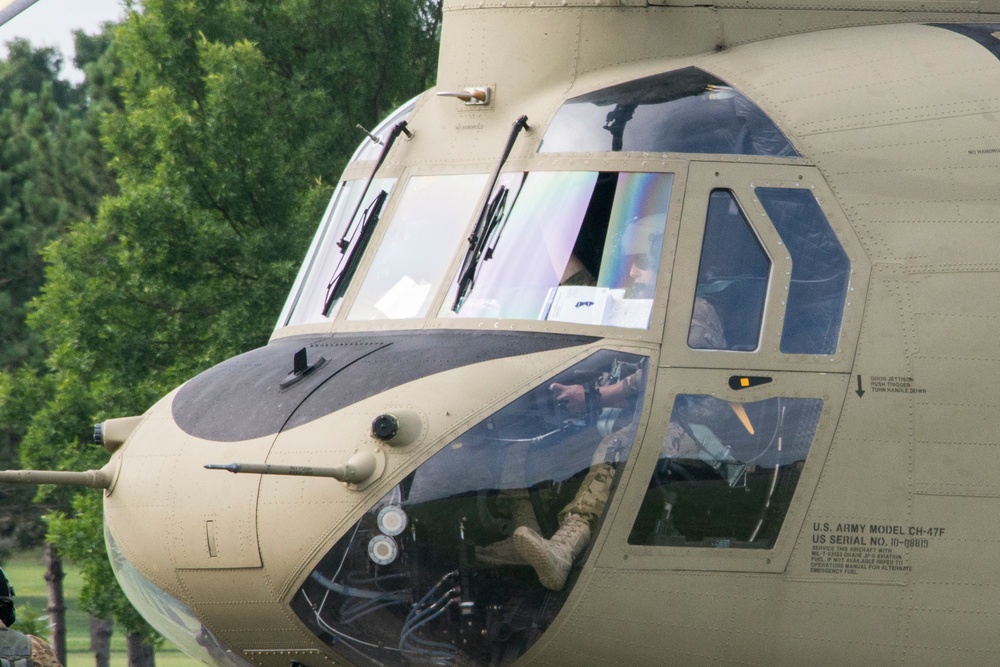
point(659, 332)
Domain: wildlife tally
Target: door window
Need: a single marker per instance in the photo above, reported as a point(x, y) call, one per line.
point(732, 280)
point(726, 472)
point(821, 271)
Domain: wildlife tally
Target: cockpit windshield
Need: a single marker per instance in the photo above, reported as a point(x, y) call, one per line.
point(310, 299)
point(327, 260)
point(445, 568)
point(418, 246)
point(580, 247)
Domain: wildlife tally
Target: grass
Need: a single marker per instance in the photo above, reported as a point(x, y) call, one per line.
point(27, 573)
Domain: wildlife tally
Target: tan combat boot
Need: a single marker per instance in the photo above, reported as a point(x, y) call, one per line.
point(552, 559)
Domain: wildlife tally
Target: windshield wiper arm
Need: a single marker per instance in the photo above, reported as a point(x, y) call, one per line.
point(338, 284)
point(616, 121)
point(344, 243)
point(489, 217)
point(478, 250)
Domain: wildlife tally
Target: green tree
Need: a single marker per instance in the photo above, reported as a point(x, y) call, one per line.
point(51, 173)
point(45, 181)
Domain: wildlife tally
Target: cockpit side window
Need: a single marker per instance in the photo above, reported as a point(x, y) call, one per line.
point(581, 247)
point(726, 473)
point(821, 271)
point(732, 280)
point(445, 568)
point(684, 111)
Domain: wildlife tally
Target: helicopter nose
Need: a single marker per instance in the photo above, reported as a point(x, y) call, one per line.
point(400, 397)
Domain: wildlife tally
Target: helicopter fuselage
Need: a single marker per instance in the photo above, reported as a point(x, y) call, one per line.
point(728, 293)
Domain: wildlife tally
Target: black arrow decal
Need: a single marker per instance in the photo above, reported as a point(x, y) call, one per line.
point(860, 392)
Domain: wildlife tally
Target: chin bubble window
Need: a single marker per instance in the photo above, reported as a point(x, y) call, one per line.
point(726, 473)
point(172, 618)
point(470, 557)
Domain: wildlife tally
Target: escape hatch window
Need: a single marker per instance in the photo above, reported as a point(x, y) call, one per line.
point(580, 247)
point(732, 280)
point(821, 271)
point(684, 111)
point(726, 473)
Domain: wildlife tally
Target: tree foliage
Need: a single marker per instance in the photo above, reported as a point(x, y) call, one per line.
point(52, 173)
point(224, 121)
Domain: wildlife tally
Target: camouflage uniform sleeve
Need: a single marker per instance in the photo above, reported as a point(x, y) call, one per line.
point(41, 653)
point(632, 385)
point(706, 327)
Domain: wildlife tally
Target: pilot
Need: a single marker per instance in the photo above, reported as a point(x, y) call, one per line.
point(18, 649)
point(552, 559)
point(642, 278)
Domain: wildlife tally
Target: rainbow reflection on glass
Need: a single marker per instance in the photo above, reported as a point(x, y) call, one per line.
point(635, 233)
point(534, 249)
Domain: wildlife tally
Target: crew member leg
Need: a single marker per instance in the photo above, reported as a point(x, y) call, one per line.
point(552, 559)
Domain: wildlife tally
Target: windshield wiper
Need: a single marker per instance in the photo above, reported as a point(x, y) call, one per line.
point(491, 215)
point(478, 250)
point(334, 289)
point(338, 284)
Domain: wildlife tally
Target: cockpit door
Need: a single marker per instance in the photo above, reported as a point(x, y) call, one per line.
point(724, 476)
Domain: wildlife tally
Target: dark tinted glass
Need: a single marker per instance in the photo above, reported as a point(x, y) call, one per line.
point(686, 111)
point(821, 271)
point(732, 280)
point(432, 574)
point(726, 473)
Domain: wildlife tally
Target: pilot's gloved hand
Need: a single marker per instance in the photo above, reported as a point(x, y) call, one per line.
point(572, 397)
